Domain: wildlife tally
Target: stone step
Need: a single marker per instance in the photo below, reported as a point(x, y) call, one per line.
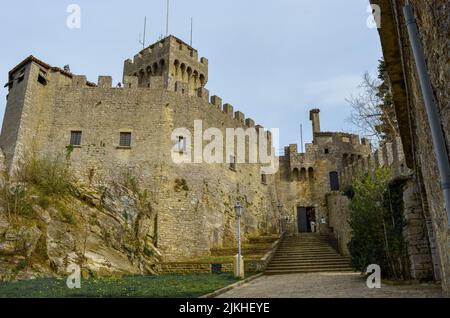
point(309, 266)
point(304, 245)
point(299, 271)
point(309, 259)
point(309, 249)
point(305, 253)
point(301, 259)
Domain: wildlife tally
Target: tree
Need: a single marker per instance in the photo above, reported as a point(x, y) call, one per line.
point(373, 109)
point(377, 223)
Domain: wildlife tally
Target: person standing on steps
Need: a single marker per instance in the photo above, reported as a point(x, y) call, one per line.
point(313, 225)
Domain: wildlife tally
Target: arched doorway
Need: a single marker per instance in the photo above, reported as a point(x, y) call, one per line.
point(334, 181)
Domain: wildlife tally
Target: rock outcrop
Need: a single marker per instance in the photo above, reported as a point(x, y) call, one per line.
point(104, 233)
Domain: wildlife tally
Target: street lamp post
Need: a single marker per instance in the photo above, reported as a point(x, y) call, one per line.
point(238, 210)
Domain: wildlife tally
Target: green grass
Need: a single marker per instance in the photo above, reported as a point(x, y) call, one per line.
point(164, 286)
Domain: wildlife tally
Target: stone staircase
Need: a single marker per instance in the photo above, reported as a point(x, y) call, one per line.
point(307, 253)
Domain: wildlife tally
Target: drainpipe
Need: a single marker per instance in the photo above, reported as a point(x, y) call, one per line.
point(430, 106)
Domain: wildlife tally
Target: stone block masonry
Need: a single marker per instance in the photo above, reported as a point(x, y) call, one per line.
point(432, 19)
point(47, 105)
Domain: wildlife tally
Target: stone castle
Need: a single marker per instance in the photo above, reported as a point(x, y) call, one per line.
point(109, 132)
point(112, 129)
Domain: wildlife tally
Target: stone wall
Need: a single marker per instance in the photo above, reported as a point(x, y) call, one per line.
point(432, 18)
point(189, 219)
point(338, 206)
point(421, 242)
point(304, 178)
point(416, 235)
point(251, 266)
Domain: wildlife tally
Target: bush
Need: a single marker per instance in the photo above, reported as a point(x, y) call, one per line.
point(376, 220)
point(349, 192)
point(48, 175)
point(14, 197)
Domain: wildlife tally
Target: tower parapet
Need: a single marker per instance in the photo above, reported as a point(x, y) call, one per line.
point(173, 62)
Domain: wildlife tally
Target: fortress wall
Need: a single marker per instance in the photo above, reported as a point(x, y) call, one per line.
point(324, 155)
point(189, 222)
point(16, 103)
point(432, 19)
point(28, 111)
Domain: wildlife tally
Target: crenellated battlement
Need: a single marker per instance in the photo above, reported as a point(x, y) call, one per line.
point(172, 59)
point(388, 155)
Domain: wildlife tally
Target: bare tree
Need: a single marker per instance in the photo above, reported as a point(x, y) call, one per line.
point(373, 110)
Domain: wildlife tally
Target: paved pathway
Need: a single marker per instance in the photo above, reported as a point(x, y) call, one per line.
point(338, 285)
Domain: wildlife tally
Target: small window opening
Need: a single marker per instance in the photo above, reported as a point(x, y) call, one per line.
point(233, 163)
point(21, 75)
point(42, 77)
point(181, 144)
point(327, 151)
point(125, 139)
point(311, 174)
point(75, 138)
point(263, 178)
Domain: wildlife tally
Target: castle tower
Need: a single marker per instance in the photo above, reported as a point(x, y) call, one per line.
point(171, 64)
point(314, 117)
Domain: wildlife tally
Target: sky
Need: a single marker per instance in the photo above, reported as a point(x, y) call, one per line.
point(272, 60)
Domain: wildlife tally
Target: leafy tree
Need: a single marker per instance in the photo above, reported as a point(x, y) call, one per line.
point(376, 220)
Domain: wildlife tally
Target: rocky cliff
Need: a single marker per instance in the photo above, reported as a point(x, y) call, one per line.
point(107, 230)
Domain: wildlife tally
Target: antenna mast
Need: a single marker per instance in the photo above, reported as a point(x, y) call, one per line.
point(192, 26)
point(167, 18)
point(301, 136)
point(143, 39)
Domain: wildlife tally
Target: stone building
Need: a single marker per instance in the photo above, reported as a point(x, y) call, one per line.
point(112, 130)
point(304, 179)
point(109, 131)
point(432, 19)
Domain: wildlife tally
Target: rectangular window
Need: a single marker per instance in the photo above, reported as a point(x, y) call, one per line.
point(181, 144)
point(233, 163)
point(263, 178)
point(42, 77)
point(75, 138)
point(125, 139)
point(21, 75)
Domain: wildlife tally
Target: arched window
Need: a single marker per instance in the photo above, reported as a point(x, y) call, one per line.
point(195, 77)
point(176, 64)
point(345, 160)
point(303, 174)
point(162, 65)
point(202, 80)
point(311, 174)
point(183, 71)
point(295, 175)
point(141, 76)
point(189, 74)
point(334, 181)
